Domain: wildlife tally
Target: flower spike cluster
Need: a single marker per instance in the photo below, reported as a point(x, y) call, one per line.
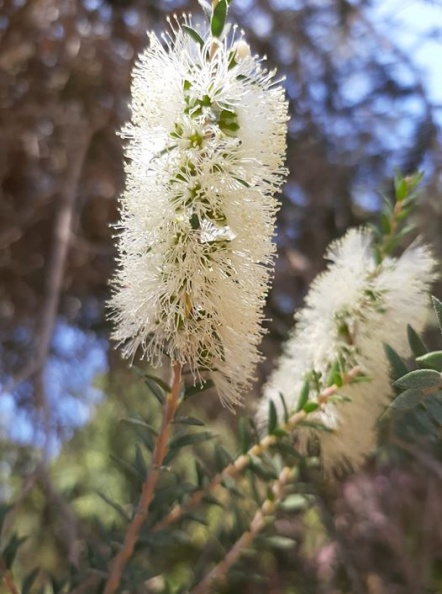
point(353, 309)
point(205, 152)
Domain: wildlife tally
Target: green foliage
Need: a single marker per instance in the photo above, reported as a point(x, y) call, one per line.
point(394, 226)
point(417, 409)
point(397, 366)
point(219, 16)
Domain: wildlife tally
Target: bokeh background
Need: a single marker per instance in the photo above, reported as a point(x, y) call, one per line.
point(364, 81)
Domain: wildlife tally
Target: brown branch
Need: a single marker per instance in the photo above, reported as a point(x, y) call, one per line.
point(7, 578)
point(243, 461)
point(219, 572)
point(161, 447)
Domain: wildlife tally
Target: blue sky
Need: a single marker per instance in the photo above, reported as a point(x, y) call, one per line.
point(410, 23)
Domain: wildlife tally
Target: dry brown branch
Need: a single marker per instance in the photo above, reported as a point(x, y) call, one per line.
point(161, 446)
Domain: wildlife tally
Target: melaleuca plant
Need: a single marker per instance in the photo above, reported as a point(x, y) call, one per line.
point(364, 299)
point(205, 149)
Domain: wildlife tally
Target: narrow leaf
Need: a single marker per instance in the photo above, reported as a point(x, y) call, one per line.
point(139, 423)
point(282, 543)
point(244, 436)
point(417, 346)
point(194, 35)
point(156, 390)
point(189, 421)
point(218, 18)
point(193, 390)
point(273, 418)
point(284, 404)
point(397, 366)
point(11, 549)
point(303, 396)
point(29, 580)
point(190, 439)
point(116, 506)
point(127, 467)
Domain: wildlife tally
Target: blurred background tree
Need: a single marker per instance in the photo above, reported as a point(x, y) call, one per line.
point(362, 102)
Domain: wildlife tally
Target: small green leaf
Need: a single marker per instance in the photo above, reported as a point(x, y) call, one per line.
point(194, 35)
point(161, 383)
point(218, 18)
point(282, 543)
point(284, 405)
point(303, 396)
point(316, 426)
point(273, 418)
point(408, 399)
point(194, 390)
point(420, 379)
point(156, 390)
point(138, 422)
point(417, 346)
point(11, 549)
point(401, 188)
point(397, 366)
point(222, 458)
point(189, 439)
point(385, 224)
point(116, 506)
point(127, 467)
point(244, 435)
point(265, 473)
point(431, 360)
point(310, 407)
point(29, 580)
point(293, 502)
point(189, 421)
point(279, 432)
point(140, 463)
point(438, 309)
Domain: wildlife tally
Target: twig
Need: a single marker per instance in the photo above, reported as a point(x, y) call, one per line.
point(7, 578)
point(242, 461)
point(161, 446)
point(219, 572)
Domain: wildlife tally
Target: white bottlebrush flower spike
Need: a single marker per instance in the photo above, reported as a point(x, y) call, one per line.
point(352, 309)
point(205, 152)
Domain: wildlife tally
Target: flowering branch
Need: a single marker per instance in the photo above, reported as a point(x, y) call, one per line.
point(161, 448)
point(243, 460)
point(219, 572)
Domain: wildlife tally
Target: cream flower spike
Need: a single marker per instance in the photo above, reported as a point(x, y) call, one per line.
point(351, 311)
point(205, 156)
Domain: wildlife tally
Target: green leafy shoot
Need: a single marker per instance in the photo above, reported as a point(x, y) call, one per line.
point(393, 226)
